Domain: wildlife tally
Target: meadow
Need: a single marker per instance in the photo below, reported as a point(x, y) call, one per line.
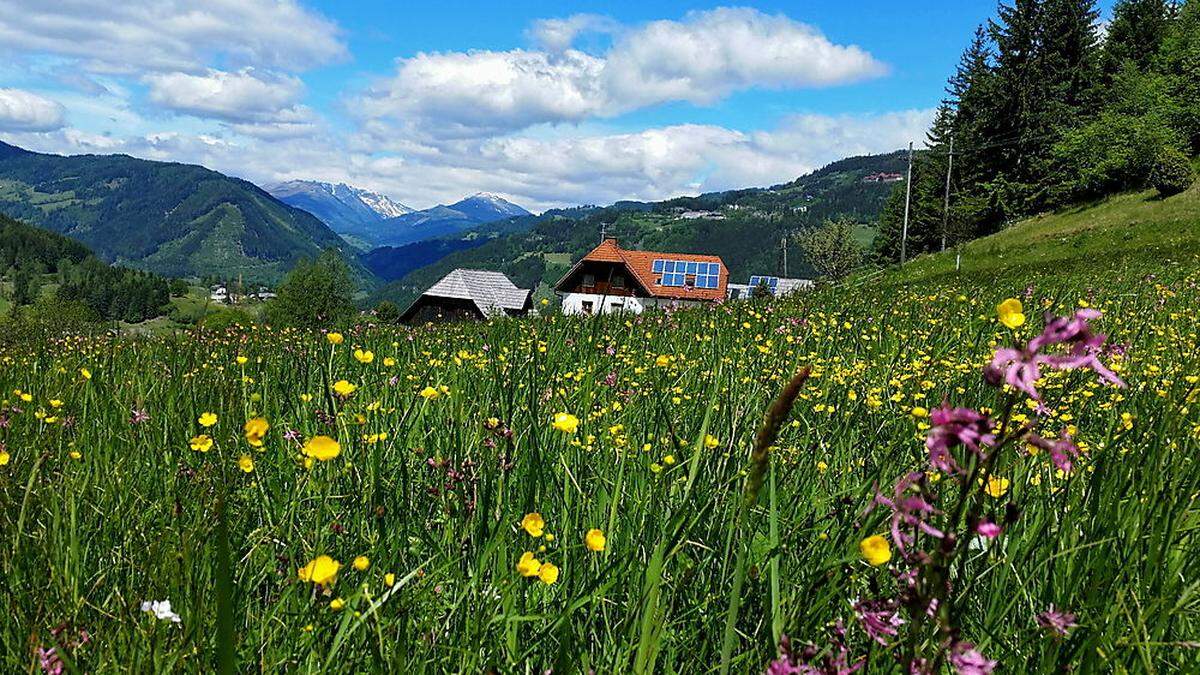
point(577, 495)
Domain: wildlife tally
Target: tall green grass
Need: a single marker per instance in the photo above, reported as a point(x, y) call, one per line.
point(138, 515)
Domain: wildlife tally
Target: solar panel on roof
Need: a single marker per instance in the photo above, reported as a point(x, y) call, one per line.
point(658, 266)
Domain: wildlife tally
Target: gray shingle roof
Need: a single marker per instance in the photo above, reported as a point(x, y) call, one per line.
point(492, 292)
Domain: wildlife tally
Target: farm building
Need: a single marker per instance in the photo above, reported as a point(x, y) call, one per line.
point(613, 279)
point(469, 295)
point(776, 287)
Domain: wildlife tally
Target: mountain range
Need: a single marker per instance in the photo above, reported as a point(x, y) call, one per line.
point(368, 220)
point(174, 219)
point(352, 212)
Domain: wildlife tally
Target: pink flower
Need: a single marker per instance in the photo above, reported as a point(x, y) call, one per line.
point(968, 661)
point(988, 529)
point(909, 510)
point(953, 427)
point(1062, 451)
point(1021, 368)
point(880, 619)
point(1058, 623)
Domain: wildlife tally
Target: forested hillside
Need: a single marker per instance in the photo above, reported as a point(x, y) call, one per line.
point(744, 227)
point(31, 257)
point(1045, 110)
point(173, 219)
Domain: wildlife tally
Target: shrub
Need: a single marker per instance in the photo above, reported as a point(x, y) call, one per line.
point(315, 294)
point(387, 312)
point(832, 250)
point(1172, 173)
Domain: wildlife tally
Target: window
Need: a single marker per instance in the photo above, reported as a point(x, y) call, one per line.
point(589, 280)
point(618, 281)
point(587, 306)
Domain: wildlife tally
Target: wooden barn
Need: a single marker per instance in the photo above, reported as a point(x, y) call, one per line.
point(469, 295)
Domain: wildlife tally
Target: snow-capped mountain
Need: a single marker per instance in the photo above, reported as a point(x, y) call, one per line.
point(381, 204)
point(353, 212)
point(441, 220)
point(486, 207)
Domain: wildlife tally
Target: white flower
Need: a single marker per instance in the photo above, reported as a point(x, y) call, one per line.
point(161, 609)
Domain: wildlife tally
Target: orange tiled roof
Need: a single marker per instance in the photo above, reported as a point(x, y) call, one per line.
point(641, 265)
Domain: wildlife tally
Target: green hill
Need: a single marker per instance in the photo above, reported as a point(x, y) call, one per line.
point(173, 219)
point(1114, 233)
point(744, 227)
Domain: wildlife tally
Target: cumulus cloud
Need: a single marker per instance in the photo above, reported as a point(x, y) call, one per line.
point(700, 59)
point(559, 34)
point(26, 111)
point(534, 169)
point(132, 36)
point(242, 96)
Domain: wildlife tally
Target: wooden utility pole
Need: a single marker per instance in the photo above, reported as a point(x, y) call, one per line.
point(783, 242)
point(907, 199)
point(946, 204)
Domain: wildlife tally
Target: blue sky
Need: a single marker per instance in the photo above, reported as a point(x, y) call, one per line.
point(545, 103)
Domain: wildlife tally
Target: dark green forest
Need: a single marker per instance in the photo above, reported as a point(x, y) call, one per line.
point(30, 255)
point(1045, 111)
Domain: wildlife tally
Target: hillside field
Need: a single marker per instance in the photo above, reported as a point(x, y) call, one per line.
point(589, 495)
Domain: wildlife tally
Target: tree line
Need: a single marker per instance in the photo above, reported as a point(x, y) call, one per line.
point(1046, 109)
point(31, 256)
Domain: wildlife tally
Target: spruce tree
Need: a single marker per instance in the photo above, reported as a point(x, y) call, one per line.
point(1135, 35)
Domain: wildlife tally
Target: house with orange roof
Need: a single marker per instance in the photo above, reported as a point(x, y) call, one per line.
point(612, 279)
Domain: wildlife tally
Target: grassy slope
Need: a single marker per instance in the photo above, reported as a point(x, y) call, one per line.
point(1107, 233)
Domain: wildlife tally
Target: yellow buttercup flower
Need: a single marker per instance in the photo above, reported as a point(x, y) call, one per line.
point(321, 570)
point(201, 443)
point(4, 457)
point(548, 573)
point(321, 448)
point(711, 442)
point(429, 393)
point(85, 373)
point(996, 487)
point(362, 356)
point(565, 422)
point(875, 550)
point(334, 338)
point(241, 360)
point(389, 579)
point(245, 463)
point(528, 566)
point(337, 604)
point(207, 419)
point(1011, 313)
point(594, 540)
point(343, 388)
point(256, 429)
point(534, 524)
point(361, 563)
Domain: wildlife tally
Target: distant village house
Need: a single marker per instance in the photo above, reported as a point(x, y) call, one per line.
point(465, 295)
point(773, 286)
point(883, 177)
point(612, 279)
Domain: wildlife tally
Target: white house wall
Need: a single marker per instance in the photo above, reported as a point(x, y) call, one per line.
point(572, 303)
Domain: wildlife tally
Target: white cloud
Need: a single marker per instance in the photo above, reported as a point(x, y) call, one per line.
point(701, 59)
point(559, 34)
point(483, 92)
point(713, 53)
point(134, 36)
point(242, 96)
point(536, 170)
point(25, 111)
